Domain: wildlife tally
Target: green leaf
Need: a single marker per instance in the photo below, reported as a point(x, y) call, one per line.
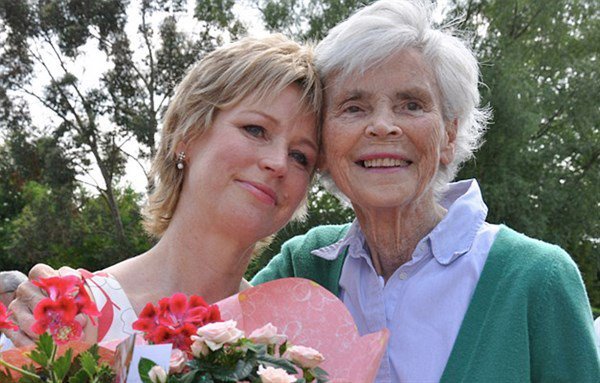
point(319, 372)
point(282, 348)
point(6, 377)
point(144, 368)
point(88, 363)
point(285, 364)
point(43, 350)
point(190, 377)
point(61, 365)
point(79, 377)
point(242, 369)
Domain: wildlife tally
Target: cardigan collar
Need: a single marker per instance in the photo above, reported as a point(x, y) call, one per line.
point(450, 239)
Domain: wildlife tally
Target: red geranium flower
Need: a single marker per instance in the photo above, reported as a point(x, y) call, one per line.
point(57, 287)
point(57, 317)
point(175, 320)
point(6, 323)
point(67, 297)
point(85, 304)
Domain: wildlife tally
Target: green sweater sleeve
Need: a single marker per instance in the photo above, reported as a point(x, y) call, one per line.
point(529, 319)
point(561, 333)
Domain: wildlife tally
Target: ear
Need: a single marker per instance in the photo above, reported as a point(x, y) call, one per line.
point(448, 146)
point(180, 147)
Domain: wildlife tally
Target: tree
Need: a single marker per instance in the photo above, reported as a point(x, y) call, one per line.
point(92, 123)
point(540, 166)
point(307, 20)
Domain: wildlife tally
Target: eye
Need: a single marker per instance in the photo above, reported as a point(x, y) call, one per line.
point(299, 157)
point(352, 109)
point(413, 106)
point(254, 130)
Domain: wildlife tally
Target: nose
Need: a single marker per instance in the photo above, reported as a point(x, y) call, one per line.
point(383, 124)
point(275, 160)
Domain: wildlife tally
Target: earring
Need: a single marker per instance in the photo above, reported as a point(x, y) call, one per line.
point(180, 160)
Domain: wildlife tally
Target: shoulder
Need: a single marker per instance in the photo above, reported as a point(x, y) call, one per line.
point(517, 250)
point(316, 238)
point(296, 260)
point(536, 270)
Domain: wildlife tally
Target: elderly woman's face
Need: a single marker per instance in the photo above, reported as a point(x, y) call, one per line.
point(384, 133)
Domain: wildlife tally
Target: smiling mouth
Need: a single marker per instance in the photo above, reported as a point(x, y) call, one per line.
point(263, 193)
point(384, 163)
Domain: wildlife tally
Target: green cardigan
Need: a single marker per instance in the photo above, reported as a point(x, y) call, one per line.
point(529, 318)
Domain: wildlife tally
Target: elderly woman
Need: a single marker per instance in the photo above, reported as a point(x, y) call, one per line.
point(464, 300)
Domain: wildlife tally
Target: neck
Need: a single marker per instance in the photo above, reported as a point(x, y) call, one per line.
point(393, 234)
point(201, 262)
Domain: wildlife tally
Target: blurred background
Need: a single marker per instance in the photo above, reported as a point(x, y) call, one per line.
point(84, 84)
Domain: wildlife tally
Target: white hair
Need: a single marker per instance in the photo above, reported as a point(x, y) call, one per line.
point(376, 32)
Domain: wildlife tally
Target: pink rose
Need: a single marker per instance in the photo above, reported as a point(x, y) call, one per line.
point(266, 335)
point(157, 375)
point(216, 334)
point(177, 361)
point(199, 348)
point(274, 375)
point(306, 357)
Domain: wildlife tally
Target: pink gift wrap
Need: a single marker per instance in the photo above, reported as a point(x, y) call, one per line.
point(309, 315)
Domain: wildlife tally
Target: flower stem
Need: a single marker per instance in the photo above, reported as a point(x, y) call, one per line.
point(19, 370)
point(52, 358)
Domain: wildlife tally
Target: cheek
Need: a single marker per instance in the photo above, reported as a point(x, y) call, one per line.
point(337, 142)
point(297, 187)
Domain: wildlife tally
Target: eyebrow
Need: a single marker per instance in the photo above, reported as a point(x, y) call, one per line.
point(415, 91)
point(310, 143)
point(304, 141)
point(263, 114)
point(412, 91)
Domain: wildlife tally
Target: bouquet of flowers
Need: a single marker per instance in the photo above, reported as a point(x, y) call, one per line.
point(207, 349)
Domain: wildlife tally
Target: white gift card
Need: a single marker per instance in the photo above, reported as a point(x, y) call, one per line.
point(158, 353)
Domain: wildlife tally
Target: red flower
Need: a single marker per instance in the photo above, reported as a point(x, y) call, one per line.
point(6, 323)
point(85, 303)
point(57, 317)
point(57, 287)
point(67, 297)
point(175, 320)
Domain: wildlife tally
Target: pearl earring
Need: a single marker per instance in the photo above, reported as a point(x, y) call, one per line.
point(180, 160)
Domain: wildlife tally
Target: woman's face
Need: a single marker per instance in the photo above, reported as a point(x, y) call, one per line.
point(251, 169)
point(384, 135)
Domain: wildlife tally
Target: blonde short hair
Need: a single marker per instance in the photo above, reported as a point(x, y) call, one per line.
point(250, 67)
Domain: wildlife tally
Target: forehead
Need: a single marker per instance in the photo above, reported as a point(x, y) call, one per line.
point(285, 108)
point(402, 72)
point(289, 100)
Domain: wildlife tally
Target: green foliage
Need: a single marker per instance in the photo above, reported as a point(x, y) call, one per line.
point(539, 168)
point(58, 229)
point(91, 123)
point(309, 20)
point(84, 368)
